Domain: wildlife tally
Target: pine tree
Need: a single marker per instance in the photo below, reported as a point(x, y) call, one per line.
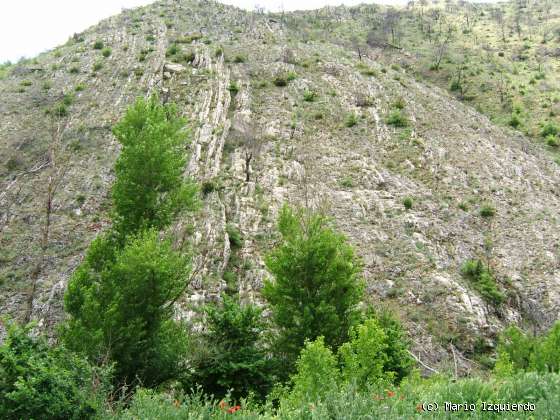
point(317, 284)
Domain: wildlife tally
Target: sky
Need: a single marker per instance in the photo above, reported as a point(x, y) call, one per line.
point(29, 27)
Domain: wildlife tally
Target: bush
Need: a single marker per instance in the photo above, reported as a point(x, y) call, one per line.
point(483, 281)
point(239, 59)
point(351, 120)
point(514, 121)
point(317, 284)
point(106, 52)
point(98, 45)
point(317, 372)
point(74, 70)
point(552, 141)
point(280, 81)
point(309, 96)
point(230, 358)
point(39, 381)
point(172, 50)
point(550, 129)
point(399, 103)
point(347, 182)
point(235, 239)
point(407, 203)
point(397, 119)
point(98, 65)
point(233, 88)
point(363, 358)
point(487, 211)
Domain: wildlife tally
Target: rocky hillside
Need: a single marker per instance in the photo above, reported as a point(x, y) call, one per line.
point(418, 181)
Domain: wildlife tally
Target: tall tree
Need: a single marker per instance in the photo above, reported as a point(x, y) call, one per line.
point(149, 188)
point(122, 313)
point(317, 283)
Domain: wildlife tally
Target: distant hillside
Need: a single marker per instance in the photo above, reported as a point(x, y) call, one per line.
point(302, 108)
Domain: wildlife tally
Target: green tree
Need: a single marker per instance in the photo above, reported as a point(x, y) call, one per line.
point(546, 352)
point(230, 355)
point(317, 372)
point(39, 381)
point(149, 188)
point(121, 311)
point(317, 284)
point(364, 356)
point(518, 346)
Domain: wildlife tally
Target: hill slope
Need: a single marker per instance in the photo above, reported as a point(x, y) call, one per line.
point(418, 181)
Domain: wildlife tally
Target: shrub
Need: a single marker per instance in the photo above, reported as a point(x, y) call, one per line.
point(80, 87)
point(407, 203)
point(397, 119)
point(399, 103)
point(98, 45)
point(39, 381)
point(280, 81)
point(235, 239)
point(487, 211)
point(550, 129)
point(98, 65)
point(309, 96)
point(106, 52)
point(483, 281)
point(230, 358)
point(552, 141)
point(291, 76)
point(363, 357)
point(26, 83)
point(514, 121)
point(60, 110)
point(172, 50)
point(239, 59)
point(317, 284)
point(399, 363)
point(233, 87)
point(515, 349)
point(347, 182)
point(351, 120)
point(74, 70)
point(317, 372)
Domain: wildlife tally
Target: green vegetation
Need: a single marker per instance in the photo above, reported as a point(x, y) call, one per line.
point(149, 191)
point(106, 52)
point(397, 118)
point(316, 287)
point(309, 96)
point(483, 281)
point(120, 298)
point(407, 203)
point(229, 358)
point(351, 120)
point(98, 45)
point(39, 381)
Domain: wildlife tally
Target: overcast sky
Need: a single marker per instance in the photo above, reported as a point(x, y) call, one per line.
point(28, 27)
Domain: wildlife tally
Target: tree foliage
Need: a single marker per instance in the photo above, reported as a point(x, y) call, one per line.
point(39, 381)
point(149, 188)
point(123, 313)
point(317, 284)
point(230, 355)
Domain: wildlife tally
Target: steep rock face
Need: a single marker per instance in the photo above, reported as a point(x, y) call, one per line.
point(449, 160)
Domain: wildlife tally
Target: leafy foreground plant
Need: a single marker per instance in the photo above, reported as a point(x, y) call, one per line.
point(39, 381)
point(352, 402)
